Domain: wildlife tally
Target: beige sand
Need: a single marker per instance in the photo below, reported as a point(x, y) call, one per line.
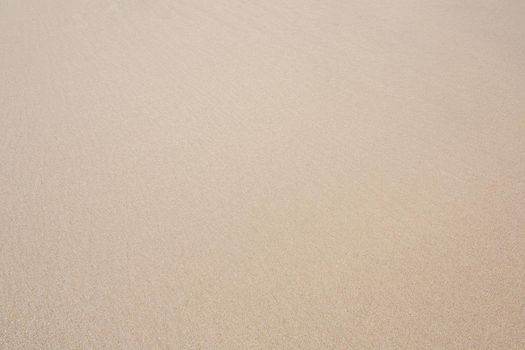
point(231, 174)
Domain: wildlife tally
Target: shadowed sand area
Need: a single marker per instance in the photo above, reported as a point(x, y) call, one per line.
point(233, 174)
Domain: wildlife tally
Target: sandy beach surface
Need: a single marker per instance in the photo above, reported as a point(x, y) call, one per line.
point(234, 174)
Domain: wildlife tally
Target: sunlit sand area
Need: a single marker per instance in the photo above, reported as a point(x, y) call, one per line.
point(234, 174)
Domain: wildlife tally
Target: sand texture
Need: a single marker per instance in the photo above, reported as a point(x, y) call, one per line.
point(236, 174)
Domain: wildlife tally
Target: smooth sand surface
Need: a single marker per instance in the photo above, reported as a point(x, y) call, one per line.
point(231, 174)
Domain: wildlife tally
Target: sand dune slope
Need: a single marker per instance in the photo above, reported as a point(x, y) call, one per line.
point(232, 174)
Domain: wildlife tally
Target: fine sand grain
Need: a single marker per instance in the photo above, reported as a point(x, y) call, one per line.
point(235, 174)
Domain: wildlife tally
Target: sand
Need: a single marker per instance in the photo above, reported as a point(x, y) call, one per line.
point(233, 174)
